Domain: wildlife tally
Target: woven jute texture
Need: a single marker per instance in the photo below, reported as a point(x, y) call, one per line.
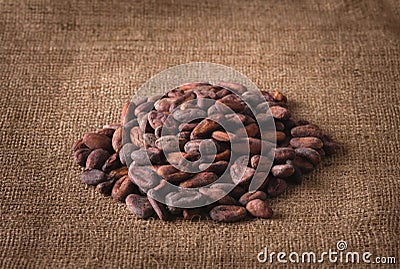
point(67, 67)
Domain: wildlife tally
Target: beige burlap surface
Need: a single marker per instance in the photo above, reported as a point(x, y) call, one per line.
point(67, 67)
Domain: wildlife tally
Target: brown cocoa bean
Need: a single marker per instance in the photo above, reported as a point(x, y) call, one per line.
point(235, 87)
point(189, 114)
point(139, 206)
point(276, 186)
point(259, 209)
point(122, 188)
point(249, 196)
point(228, 213)
point(136, 136)
point(145, 107)
point(283, 154)
point(106, 131)
point(309, 154)
point(119, 172)
point(97, 158)
point(169, 143)
point(278, 96)
point(184, 198)
point(217, 167)
point(94, 177)
point(81, 155)
point(282, 170)
point(159, 208)
point(144, 177)
point(204, 129)
point(233, 102)
point(309, 130)
point(195, 213)
point(304, 165)
point(156, 119)
point(330, 146)
point(112, 163)
point(97, 141)
point(306, 142)
point(105, 187)
point(279, 112)
point(199, 180)
point(117, 140)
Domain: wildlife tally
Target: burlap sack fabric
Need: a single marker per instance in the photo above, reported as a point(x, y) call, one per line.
point(67, 67)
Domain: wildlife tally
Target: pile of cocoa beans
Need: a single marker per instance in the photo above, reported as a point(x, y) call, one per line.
point(133, 161)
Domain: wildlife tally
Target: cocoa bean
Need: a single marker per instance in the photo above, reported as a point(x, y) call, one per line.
point(122, 188)
point(140, 206)
point(228, 213)
point(94, 177)
point(259, 209)
point(282, 170)
point(97, 158)
point(309, 154)
point(81, 155)
point(306, 131)
point(97, 141)
point(249, 196)
point(306, 142)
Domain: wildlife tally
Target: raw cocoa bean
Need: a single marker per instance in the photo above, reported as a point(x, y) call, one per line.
point(97, 158)
point(156, 119)
point(81, 155)
point(159, 208)
point(309, 154)
point(282, 170)
point(97, 141)
point(144, 177)
point(122, 188)
point(278, 96)
point(221, 136)
point(184, 198)
point(145, 107)
point(330, 146)
point(259, 209)
point(283, 154)
point(169, 143)
point(119, 172)
point(276, 186)
point(199, 180)
point(306, 142)
point(249, 196)
point(106, 187)
point(234, 191)
point(235, 87)
point(304, 165)
point(280, 113)
point(149, 140)
point(228, 213)
point(94, 177)
point(195, 213)
point(217, 167)
point(112, 163)
point(204, 129)
point(213, 194)
point(136, 136)
point(188, 115)
point(233, 102)
point(117, 139)
point(306, 131)
point(139, 206)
